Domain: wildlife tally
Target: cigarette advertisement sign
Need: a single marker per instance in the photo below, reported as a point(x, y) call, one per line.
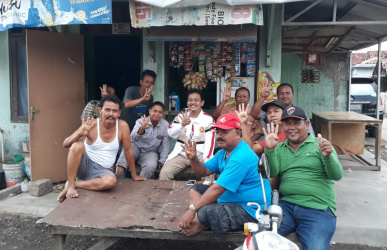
point(144, 15)
point(39, 13)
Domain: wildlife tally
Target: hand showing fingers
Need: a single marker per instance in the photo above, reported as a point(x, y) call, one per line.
point(145, 122)
point(325, 146)
point(226, 92)
point(189, 148)
point(265, 89)
point(87, 124)
point(242, 114)
point(271, 136)
point(103, 90)
point(185, 118)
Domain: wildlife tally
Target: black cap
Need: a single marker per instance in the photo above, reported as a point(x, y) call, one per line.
point(293, 112)
point(278, 103)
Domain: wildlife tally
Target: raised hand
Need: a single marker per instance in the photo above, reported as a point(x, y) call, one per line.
point(185, 120)
point(87, 124)
point(325, 146)
point(148, 93)
point(243, 113)
point(189, 148)
point(226, 94)
point(103, 90)
point(271, 136)
point(265, 88)
point(144, 122)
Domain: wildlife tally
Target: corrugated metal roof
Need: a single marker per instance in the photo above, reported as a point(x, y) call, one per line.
point(317, 30)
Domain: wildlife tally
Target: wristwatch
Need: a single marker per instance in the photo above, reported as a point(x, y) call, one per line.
point(192, 207)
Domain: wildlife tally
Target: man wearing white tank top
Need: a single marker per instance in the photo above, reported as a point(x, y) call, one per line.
point(93, 150)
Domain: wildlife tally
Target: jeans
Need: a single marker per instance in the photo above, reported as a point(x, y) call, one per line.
point(313, 227)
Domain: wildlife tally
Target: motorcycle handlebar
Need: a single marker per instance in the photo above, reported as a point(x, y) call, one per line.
point(275, 197)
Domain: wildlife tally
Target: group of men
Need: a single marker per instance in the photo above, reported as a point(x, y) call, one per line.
point(303, 167)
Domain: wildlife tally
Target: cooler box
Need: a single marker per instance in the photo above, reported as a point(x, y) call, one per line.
point(174, 102)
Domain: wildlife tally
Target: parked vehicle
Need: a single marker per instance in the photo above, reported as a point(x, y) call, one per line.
point(263, 235)
point(364, 100)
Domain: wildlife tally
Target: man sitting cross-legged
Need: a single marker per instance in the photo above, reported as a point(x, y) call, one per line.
point(93, 150)
point(223, 206)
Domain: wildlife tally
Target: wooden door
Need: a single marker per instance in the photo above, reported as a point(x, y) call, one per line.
point(56, 94)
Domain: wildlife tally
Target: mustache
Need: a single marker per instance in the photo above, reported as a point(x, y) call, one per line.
point(218, 140)
point(108, 117)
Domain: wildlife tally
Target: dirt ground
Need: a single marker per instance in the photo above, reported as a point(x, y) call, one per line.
point(18, 232)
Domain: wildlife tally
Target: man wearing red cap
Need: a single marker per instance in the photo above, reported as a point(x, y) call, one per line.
point(223, 206)
point(308, 165)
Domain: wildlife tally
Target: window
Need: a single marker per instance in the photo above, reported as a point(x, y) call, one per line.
point(18, 76)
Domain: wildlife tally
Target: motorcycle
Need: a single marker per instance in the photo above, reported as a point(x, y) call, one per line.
point(263, 235)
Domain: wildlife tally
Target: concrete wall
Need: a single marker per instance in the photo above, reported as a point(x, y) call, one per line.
point(157, 50)
point(14, 133)
point(331, 94)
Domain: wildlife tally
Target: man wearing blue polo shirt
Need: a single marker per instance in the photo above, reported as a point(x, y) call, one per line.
point(222, 206)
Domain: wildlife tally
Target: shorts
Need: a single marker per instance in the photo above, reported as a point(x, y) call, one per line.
point(90, 170)
point(222, 217)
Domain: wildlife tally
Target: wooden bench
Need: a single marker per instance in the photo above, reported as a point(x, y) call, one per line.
point(187, 174)
point(133, 209)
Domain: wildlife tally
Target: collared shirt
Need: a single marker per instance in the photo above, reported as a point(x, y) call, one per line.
point(152, 138)
point(239, 176)
point(306, 175)
point(200, 129)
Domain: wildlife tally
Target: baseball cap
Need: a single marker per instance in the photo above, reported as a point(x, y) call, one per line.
point(228, 121)
point(278, 103)
point(293, 112)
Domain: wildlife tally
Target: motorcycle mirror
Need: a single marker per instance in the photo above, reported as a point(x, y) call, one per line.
point(263, 166)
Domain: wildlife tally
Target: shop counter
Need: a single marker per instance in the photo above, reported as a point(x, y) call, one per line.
point(346, 131)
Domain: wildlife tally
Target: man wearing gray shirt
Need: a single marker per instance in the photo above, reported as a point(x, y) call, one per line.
point(148, 134)
point(138, 99)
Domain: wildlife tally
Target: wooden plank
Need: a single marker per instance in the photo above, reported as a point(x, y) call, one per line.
point(347, 116)
point(150, 204)
point(59, 241)
point(103, 244)
point(235, 237)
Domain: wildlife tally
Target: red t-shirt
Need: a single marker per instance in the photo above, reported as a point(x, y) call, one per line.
point(281, 138)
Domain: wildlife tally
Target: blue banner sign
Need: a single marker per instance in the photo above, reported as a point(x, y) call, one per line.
point(39, 13)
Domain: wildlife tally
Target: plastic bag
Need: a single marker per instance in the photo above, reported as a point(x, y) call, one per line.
point(151, 65)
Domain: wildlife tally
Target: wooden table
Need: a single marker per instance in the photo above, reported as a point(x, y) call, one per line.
point(133, 209)
point(346, 131)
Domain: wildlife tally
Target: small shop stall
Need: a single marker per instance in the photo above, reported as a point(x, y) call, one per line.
point(207, 47)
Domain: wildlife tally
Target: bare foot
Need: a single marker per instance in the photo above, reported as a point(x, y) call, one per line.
point(68, 192)
point(195, 228)
point(62, 195)
point(72, 193)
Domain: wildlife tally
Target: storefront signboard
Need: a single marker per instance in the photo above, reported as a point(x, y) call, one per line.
point(38, 13)
point(144, 15)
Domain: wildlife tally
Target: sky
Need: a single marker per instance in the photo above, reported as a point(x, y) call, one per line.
point(372, 48)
